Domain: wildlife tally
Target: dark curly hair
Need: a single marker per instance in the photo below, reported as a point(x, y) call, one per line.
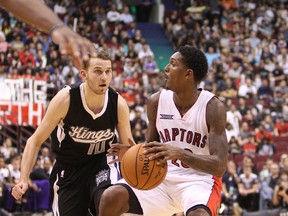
point(194, 59)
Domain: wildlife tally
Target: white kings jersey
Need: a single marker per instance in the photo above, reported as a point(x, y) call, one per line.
point(189, 132)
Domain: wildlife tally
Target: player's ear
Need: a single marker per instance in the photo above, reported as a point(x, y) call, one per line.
point(189, 72)
point(83, 73)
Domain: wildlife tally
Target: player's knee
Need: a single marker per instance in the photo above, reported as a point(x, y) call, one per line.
point(116, 196)
point(198, 212)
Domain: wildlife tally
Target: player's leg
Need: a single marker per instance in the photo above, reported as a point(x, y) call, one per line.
point(119, 199)
point(200, 210)
point(204, 200)
point(69, 197)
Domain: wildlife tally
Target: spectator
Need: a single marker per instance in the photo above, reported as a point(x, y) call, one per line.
point(234, 147)
point(265, 90)
point(211, 55)
point(262, 132)
point(280, 195)
point(265, 147)
point(268, 187)
point(8, 150)
point(247, 89)
point(234, 118)
point(126, 16)
point(113, 16)
point(250, 147)
point(150, 65)
point(248, 187)
point(244, 134)
point(144, 53)
point(230, 181)
point(281, 127)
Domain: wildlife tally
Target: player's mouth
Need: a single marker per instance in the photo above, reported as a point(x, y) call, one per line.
point(103, 85)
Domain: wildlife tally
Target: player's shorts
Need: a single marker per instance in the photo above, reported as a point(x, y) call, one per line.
point(74, 189)
point(176, 194)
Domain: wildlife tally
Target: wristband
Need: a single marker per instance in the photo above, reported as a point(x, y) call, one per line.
point(56, 26)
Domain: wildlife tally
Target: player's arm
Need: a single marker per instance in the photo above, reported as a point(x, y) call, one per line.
point(216, 162)
point(34, 12)
point(152, 106)
point(123, 126)
point(38, 14)
point(124, 131)
point(56, 111)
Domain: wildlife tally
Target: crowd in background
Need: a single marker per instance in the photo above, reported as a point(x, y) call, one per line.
point(245, 43)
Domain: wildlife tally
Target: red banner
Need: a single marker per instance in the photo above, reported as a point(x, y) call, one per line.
point(21, 113)
point(22, 102)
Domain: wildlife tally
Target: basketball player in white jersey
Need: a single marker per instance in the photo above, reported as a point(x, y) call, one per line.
point(186, 130)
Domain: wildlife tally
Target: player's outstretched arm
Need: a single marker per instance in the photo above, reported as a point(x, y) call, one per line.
point(38, 14)
point(42, 133)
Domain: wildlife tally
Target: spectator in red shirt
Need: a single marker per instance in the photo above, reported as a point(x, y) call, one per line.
point(250, 147)
point(25, 56)
point(261, 133)
point(281, 127)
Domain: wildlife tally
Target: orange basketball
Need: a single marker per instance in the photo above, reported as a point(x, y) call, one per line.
point(140, 172)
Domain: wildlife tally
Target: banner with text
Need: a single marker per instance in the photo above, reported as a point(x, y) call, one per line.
point(22, 101)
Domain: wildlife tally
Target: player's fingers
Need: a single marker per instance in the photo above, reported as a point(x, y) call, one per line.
point(113, 151)
point(78, 63)
point(111, 154)
point(161, 162)
point(17, 193)
point(118, 145)
point(88, 49)
point(114, 161)
point(152, 144)
point(151, 149)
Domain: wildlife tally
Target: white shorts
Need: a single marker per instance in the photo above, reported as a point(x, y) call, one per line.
point(177, 195)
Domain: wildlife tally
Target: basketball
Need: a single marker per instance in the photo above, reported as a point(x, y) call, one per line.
point(140, 172)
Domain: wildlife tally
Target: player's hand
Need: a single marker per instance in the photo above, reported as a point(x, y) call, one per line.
point(19, 189)
point(74, 45)
point(162, 152)
point(118, 150)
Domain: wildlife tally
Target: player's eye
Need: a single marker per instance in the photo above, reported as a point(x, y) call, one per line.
point(98, 71)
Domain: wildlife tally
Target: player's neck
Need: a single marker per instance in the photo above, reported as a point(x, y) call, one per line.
point(94, 101)
point(185, 101)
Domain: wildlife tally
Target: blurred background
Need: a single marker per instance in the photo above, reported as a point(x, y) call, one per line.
point(245, 43)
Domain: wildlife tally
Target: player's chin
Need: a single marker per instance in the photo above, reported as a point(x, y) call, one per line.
point(102, 89)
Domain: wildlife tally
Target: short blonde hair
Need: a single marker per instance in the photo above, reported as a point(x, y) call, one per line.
point(101, 54)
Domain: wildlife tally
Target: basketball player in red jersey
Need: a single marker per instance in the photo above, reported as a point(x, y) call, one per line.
point(87, 116)
point(38, 14)
point(186, 130)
